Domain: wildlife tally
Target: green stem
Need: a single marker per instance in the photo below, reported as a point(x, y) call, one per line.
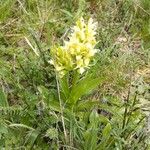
point(126, 111)
point(61, 108)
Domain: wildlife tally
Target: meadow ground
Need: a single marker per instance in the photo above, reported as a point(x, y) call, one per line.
point(105, 108)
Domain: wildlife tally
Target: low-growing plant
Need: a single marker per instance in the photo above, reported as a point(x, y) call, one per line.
point(66, 114)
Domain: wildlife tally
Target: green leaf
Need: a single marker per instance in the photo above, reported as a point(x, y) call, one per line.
point(106, 131)
point(94, 117)
point(3, 99)
point(3, 128)
point(55, 106)
point(87, 105)
point(65, 86)
point(31, 137)
point(47, 95)
point(90, 137)
point(105, 138)
point(103, 119)
point(85, 86)
point(67, 13)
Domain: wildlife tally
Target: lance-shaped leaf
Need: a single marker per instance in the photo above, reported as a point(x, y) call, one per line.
point(85, 86)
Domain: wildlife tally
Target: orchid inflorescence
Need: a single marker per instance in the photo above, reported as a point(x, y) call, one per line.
point(78, 51)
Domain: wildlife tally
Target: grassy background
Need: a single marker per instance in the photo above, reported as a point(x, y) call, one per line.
point(31, 25)
point(123, 33)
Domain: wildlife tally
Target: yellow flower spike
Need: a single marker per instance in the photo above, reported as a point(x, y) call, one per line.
point(78, 51)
